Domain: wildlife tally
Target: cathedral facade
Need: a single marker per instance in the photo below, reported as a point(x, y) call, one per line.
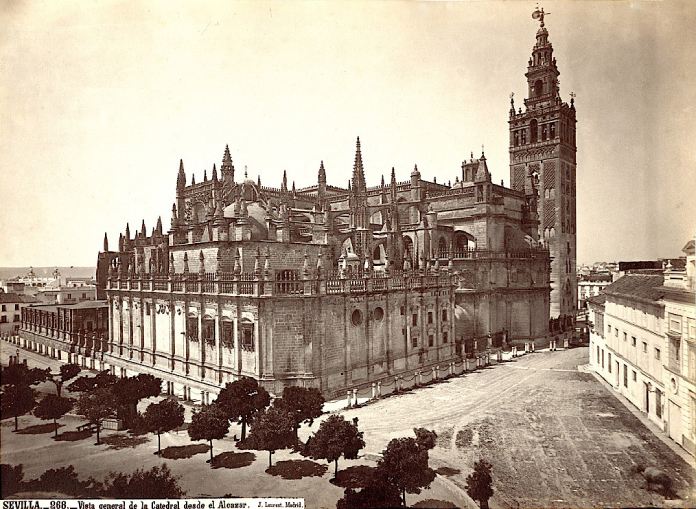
point(334, 287)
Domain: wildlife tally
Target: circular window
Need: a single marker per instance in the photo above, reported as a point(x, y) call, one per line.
point(378, 314)
point(356, 317)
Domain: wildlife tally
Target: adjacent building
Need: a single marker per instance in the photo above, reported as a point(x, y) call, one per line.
point(11, 306)
point(643, 342)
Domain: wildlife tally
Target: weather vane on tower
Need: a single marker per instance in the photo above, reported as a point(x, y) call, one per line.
point(539, 14)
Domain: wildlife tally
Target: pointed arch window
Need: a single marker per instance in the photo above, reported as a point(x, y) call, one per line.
point(533, 130)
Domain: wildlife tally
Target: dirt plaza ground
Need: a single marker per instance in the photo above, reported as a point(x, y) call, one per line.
point(555, 436)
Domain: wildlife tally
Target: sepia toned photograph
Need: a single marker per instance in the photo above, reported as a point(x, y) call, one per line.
point(347, 254)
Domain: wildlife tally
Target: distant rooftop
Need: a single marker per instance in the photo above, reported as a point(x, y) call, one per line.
point(646, 287)
point(15, 298)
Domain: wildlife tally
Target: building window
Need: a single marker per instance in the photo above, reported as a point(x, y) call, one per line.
point(378, 314)
point(625, 377)
point(430, 317)
point(70, 296)
point(248, 336)
point(635, 377)
point(192, 328)
point(444, 315)
point(414, 341)
point(645, 347)
point(675, 323)
point(16, 318)
point(609, 361)
point(209, 330)
point(633, 341)
point(602, 359)
point(657, 353)
point(227, 335)
point(356, 318)
point(3, 319)
point(445, 337)
point(16, 307)
point(4, 308)
point(431, 340)
point(414, 319)
point(403, 331)
point(609, 328)
point(616, 333)
point(402, 310)
point(147, 308)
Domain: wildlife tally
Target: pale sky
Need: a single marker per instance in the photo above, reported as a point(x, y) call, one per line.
point(100, 100)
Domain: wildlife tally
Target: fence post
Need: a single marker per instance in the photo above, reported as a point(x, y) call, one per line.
point(348, 399)
point(379, 389)
point(532, 346)
point(435, 369)
point(374, 390)
point(355, 397)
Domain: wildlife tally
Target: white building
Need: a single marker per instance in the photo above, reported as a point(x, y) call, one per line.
point(680, 359)
point(11, 305)
point(643, 342)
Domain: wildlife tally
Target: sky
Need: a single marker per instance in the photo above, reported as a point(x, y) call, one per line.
point(100, 100)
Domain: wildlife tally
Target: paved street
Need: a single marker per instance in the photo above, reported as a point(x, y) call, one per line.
point(554, 435)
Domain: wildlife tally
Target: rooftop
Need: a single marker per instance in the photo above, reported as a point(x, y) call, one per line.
point(16, 298)
point(646, 287)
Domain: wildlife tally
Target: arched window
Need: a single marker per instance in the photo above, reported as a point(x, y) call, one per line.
point(538, 88)
point(408, 248)
point(533, 130)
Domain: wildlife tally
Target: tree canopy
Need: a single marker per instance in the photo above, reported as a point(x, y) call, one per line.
point(479, 484)
point(208, 424)
point(273, 429)
point(336, 437)
point(377, 495)
point(130, 390)
point(303, 404)
point(96, 406)
point(241, 400)
point(17, 400)
point(164, 416)
point(426, 439)
point(20, 374)
point(88, 383)
point(158, 482)
point(67, 372)
point(53, 407)
point(405, 464)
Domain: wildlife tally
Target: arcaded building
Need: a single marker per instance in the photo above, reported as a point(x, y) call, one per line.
point(330, 286)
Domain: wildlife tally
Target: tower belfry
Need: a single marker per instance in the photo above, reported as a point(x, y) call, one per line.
point(543, 166)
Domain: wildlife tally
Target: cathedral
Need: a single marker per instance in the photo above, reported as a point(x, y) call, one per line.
point(334, 287)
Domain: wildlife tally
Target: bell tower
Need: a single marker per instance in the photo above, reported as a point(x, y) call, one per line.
point(542, 165)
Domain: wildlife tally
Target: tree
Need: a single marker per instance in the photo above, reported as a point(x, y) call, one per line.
point(158, 482)
point(425, 438)
point(53, 407)
point(132, 389)
point(208, 424)
point(20, 374)
point(11, 477)
point(272, 430)
point(86, 383)
point(164, 416)
point(67, 372)
point(96, 406)
point(479, 483)
point(241, 400)
point(17, 400)
point(336, 437)
point(303, 404)
point(405, 464)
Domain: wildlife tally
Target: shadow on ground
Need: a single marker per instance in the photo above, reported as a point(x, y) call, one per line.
point(73, 436)
point(39, 429)
point(124, 441)
point(357, 476)
point(297, 469)
point(432, 503)
point(233, 459)
point(447, 471)
point(183, 451)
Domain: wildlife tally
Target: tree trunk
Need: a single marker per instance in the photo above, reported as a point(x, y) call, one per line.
point(98, 426)
point(335, 467)
point(159, 445)
point(270, 457)
point(59, 388)
point(16, 422)
point(211, 453)
point(243, 429)
point(483, 503)
point(403, 496)
point(55, 429)
point(297, 427)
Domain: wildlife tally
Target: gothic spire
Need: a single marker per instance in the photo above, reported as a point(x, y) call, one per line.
point(214, 173)
point(358, 170)
point(227, 168)
point(174, 217)
point(158, 228)
point(193, 179)
point(106, 243)
point(127, 232)
point(284, 183)
point(143, 231)
point(181, 177)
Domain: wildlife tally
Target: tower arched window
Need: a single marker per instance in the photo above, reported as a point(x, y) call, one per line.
point(533, 131)
point(538, 88)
